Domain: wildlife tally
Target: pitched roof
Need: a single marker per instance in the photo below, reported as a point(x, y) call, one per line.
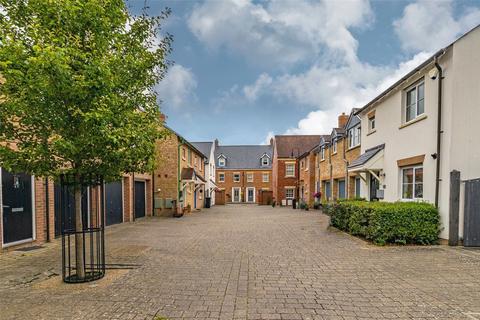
point(295, 145)
point(353, 119)
point(183, 140)
point(367, 155)
point(244, 156)
point(326, 138)
point(423, 65)
point(203, 147)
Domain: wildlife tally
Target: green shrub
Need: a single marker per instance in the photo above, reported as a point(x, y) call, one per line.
point(386, 222)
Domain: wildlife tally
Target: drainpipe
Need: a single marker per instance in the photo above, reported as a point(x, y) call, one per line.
point(47, 209)
point(439, 129)
point(347, 180)
point(179, 182)
point(133, 197)
point(153, 193)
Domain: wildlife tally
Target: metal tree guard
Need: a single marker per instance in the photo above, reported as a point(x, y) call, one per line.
point(92, 234)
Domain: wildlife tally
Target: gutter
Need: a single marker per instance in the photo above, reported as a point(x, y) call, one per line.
point(439, 128)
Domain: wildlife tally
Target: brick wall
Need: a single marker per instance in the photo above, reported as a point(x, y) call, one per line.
point(257, 183)
point(307, 177)
point(166, 172)
point(282, 181)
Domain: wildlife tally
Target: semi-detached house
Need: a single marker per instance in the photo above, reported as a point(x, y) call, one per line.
point(419, 130)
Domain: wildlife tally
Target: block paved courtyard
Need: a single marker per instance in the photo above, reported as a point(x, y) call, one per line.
point(245, 262)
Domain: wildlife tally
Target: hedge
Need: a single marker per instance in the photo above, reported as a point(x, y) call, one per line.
point(387, 222)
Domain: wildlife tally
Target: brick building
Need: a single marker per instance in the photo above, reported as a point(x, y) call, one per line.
point(336, 152)
point(26, 219)
point(179, 176)
point(307, 176)
point(285, 170)
point(244, 173)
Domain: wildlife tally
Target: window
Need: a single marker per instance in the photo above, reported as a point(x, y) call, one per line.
point(290, 193)
point(371, 124)
point(221, 177)
point(412, 183)
point(290, 169)
point(184, 155)
point(236, 177)
point(249, 177)
point(265, 161)
point(415, 101)
point(322, 153)
point(265, 177)
point(334, 148)
point(354, 136)
point(221, 162)
point(189, 156)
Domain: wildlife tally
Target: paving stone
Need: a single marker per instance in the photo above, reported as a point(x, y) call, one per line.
point(246, 262)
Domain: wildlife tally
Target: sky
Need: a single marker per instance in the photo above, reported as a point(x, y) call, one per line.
point(245, 70)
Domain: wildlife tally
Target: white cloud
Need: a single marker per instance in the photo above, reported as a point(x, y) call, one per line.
point(251, 92)
point(177, 89)
point(281, 33)
point(431, 25)
point(331, 91)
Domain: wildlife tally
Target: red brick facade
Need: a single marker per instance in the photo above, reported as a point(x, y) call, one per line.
point(245, 182)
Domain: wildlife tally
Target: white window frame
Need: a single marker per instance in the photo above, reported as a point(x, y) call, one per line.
point(322, 153)
point(266, 174)
point(372, 125)
point(239, 178)
point(354, 135)
point(250, 175)
point(414, 183)
point(334, 146)
point(222, 162)
point(287, 174)
point(287, 190)
point(265, 161)
point(414, 105)
point(254, 195)
point(220, 176)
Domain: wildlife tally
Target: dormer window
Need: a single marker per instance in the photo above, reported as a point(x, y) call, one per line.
point(222, 161)
point(265, 160)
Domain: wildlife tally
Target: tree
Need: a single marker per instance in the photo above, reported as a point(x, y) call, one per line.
point(78, 90)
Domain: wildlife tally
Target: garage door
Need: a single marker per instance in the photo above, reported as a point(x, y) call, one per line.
point(17, 207)
point(65, 212)
point(113, 203)
point(139, 199)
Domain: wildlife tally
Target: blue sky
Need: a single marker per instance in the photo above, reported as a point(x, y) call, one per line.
point(245, 70)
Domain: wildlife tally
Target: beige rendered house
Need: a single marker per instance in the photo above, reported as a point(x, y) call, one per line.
point(415, 133)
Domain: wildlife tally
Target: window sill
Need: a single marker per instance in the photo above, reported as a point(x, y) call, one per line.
point(290, 176)
point(417, 119)
point(355, 147)
point(371, 132)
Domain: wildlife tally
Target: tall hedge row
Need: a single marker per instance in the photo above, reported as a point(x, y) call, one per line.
point(386, 222)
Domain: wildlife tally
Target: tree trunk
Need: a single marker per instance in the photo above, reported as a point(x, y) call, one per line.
point(79, 250)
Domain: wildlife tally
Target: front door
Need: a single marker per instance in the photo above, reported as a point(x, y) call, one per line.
point(236, 195)
point(139, 199)
point(250, 194)
point(341, 189)
point(17, 207)
point(374, 186)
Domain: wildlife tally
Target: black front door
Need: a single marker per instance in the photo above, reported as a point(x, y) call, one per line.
point(139, 199)
point(65, 211)
point(374, 186)
point(17, 207)
point(113, 203)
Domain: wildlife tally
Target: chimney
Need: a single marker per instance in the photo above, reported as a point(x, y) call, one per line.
point(163, 117)
point(216, 143)
point(342, 120)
